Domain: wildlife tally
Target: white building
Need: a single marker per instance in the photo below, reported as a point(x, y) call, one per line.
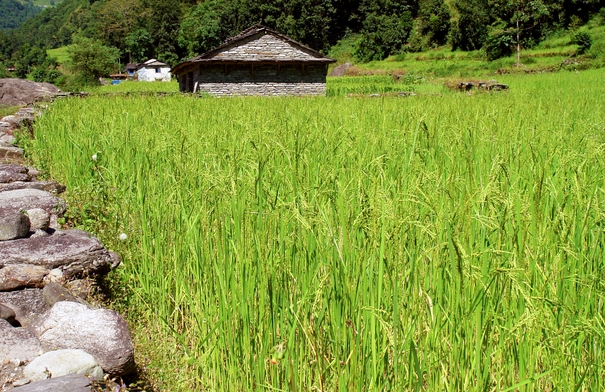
point(153, 70)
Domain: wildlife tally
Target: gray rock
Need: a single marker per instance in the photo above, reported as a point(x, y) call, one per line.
point(11, 173)
point(22, 92)
point(103, 333)
point(54, 276)
point(48, 186)
point(61, 363)
point(6, 137)
point(54, 292)
point(75, 252)
point(82, 288)
point(22, 275)
point(69, 383)
point(31, 198)
point(13, 225)
point(116, 260)
point(13, 121)
point(17, 345)
point(39, 233)
point(28, 304)
point(7, 314)
point(10, 153)
point(38, 218)
point(33, 172)
point(341, 70)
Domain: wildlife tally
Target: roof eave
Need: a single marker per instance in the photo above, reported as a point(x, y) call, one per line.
point(324, 60)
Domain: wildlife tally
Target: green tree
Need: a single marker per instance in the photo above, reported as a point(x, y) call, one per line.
point(90, 59)
point(138, 45)
point(471, 28)
point(201, 30)
point(163, 25)
point(385, 29)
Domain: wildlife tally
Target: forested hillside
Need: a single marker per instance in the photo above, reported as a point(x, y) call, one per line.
point(14, 12)
point(172, 30)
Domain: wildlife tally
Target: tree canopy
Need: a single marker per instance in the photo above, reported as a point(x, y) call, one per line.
point(173, 30)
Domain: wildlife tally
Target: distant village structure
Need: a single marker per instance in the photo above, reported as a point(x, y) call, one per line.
point(258, 61)
point(150, 71)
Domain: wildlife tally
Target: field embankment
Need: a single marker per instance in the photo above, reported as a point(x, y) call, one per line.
point(447, 242)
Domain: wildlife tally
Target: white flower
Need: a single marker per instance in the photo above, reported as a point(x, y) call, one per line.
point(94, 157)
point(123, 237)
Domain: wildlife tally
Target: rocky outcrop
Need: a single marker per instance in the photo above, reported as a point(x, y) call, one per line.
point(39, 265)
point(14, 92)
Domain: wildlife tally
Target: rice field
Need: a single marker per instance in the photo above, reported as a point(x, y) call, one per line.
point(429, 243)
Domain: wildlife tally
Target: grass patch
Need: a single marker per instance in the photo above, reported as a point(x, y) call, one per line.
point(8, 110)
point(47, 3)
point(59, 53)
point(136, 87)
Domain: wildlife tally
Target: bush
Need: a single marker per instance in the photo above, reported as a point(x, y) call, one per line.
point(583, 40)
point(498, 44)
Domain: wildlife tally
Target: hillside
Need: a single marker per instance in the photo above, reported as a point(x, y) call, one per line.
point(14, 12)
point(365, 31)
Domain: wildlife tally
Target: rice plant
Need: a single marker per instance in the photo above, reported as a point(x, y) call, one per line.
point(432, 243)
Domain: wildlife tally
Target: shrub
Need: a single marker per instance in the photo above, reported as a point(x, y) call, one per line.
point(583, 40)
point(498, 44)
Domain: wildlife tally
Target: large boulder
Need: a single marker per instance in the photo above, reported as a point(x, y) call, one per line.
point(74, 252)
point(26, 199)
point(15, 92)
point(28, 304)
point(17, 345)
point(69, 383)
point(61, 363)
point(102, 332)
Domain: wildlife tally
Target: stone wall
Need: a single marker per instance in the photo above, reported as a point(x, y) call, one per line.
point(265, 79)
point(51, 337)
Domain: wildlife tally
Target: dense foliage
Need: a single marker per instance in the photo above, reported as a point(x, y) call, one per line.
point(15, 12)
point(172, 30)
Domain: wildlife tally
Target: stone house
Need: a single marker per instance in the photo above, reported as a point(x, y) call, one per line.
point(258, 61)
point(153, 70)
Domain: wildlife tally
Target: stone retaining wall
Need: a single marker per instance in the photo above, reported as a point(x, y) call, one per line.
point(51, 338)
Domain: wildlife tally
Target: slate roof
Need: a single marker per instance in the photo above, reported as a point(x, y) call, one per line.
point(220, 54)
point(152, 63)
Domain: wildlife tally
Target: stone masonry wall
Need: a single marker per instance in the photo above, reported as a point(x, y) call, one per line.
point(269, 80)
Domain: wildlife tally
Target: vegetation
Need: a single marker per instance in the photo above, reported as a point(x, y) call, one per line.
point(7, 110)
point(436, 242)
point(172, 30)
point(15, 12)
point(90, 59)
